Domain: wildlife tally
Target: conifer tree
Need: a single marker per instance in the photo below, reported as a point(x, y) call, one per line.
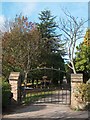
point(47, 27)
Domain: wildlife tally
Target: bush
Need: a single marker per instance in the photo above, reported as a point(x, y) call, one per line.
point(6, 93)
point(82, 93)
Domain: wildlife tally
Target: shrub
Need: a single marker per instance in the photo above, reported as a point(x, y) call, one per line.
point(82, 93)
point(6, 93)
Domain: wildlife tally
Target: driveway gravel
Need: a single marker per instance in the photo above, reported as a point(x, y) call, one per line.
point(46, 111)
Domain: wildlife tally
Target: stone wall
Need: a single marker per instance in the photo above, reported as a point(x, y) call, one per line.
point(14, 88)
point(76, 79)
point(14, 80)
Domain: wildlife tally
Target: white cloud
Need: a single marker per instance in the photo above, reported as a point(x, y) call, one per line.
point(28, 8)
point(2, 21)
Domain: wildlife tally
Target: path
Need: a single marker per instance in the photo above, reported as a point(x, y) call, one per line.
point(46, 111)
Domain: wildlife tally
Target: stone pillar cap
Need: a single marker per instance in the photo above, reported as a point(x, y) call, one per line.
point(14, 75)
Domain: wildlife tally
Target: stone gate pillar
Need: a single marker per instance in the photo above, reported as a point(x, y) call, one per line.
point(15, 82)
point(76, 79)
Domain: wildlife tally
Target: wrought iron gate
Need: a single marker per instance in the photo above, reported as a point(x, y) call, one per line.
point(45, 91)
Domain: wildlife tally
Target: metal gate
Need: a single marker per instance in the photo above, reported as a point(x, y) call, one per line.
point(45, 91)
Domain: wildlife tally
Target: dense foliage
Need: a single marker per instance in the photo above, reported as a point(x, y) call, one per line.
point(82, 93)
point(6, 93)
point(21, 46)
point(26, 46)
point(82, 60)
point(52, 52)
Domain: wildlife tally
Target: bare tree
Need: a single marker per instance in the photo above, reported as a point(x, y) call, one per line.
point(72, 30)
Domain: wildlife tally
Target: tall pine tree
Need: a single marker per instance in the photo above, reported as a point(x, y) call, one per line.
point(47, 27)
point(52, 50)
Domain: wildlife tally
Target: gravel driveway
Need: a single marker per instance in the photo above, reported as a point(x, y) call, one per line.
point(46, 112)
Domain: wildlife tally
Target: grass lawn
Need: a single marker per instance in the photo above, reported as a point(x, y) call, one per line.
point(32, 97)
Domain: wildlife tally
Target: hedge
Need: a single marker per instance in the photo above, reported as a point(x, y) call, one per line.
point(6, 93)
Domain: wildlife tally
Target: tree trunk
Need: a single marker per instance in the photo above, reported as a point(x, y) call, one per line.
point(26, 77)
point(73, 68)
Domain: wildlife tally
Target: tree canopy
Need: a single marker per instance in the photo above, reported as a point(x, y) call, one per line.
point(52, 42)
point(82, 60)
point(21, 46)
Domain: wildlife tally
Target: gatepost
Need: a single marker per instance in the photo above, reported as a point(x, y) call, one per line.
point(15, 82)
point(76, 79)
